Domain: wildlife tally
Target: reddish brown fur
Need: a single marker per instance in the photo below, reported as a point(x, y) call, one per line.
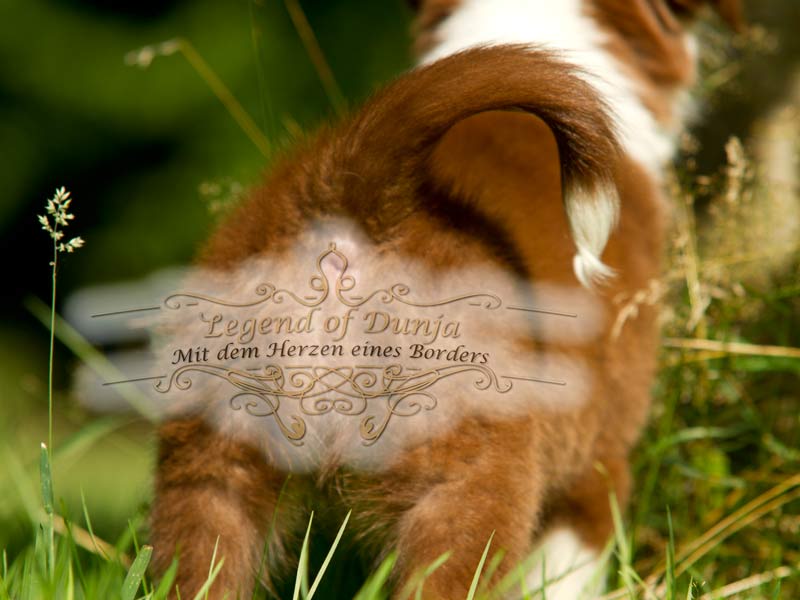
point(730, 10)
point(497, 148)
point(431, 13)
point(436, 168)
point(647, 36)
point(648, 39)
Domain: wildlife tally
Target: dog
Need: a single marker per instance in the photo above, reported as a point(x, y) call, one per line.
point(531, 143)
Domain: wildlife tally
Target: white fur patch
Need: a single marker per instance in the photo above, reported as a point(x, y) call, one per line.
point(571, 570)
point(562, 26)
point(331, 353)
point(592, 217)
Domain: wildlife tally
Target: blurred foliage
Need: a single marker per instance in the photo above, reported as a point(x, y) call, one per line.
point(150, 155)
point(147, 153)
point(135, 144)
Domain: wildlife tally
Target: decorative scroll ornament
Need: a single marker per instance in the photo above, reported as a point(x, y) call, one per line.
point(315, 391)
point(373, 394)
point(321, 287)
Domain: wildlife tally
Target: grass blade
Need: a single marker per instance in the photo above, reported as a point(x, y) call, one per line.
point(144, 56)
point(624, 553)
point(212, 575)
point(328, 558)
point(70, 449)
point(4, 593)
point(324, 72)
point(776, 594)
point(473, 588)
point(738, 588)
point(71, 556)
point(164, 586)
point(136, 573)
point(47, 480)
point(670, 575)
point(47, 499)
point(93, 358)
point(417, 582)
point(221, 91)
point(70, 583)
point(213, 562)
point(372, 589)
point(302, 567)
point(270, 532)
point(429, 571)
point(104, 552)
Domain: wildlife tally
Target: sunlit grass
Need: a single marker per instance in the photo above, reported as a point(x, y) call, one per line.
point(716, 507)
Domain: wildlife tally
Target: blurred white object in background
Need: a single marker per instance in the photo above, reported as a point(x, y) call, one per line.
point(115, 317)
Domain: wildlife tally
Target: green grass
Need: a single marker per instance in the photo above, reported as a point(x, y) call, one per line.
point(716, 506)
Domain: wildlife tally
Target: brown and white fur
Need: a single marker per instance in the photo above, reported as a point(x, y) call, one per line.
point(542, 158)
point(639, 55)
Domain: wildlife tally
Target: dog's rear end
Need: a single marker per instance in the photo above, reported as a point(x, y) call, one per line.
point(500, 156)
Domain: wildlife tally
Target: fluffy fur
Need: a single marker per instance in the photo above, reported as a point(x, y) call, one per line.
point(469, 160)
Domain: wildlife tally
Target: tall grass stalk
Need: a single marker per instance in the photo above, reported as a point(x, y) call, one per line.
point(54, 221)
point(144, 56)
point(315, 53)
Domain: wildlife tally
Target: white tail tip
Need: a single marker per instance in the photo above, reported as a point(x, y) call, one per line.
point(592, 215)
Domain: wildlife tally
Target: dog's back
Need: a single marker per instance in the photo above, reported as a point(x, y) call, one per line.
point(495, 160)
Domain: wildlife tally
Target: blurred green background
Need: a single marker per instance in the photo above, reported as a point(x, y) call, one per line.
point(148, 152)
point(145, 152)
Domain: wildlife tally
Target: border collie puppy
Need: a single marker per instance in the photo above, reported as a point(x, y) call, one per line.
point(530, 142)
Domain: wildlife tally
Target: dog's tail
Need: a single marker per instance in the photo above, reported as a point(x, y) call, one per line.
point(399, 129)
